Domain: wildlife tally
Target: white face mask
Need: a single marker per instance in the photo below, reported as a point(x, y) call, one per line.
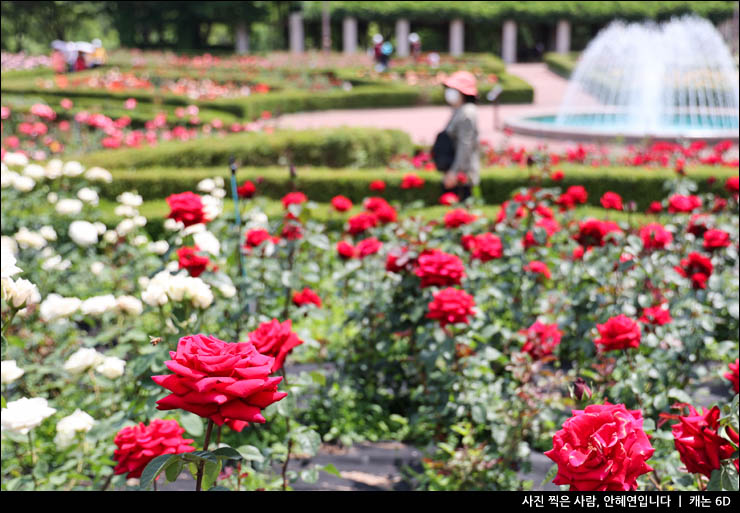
point(452, 96)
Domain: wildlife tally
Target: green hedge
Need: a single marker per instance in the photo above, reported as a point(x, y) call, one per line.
point(335, 147)
point(561, 64)
point(497, 184)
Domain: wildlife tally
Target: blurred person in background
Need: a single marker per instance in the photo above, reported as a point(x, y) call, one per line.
point(415, 43)
point(98, 56)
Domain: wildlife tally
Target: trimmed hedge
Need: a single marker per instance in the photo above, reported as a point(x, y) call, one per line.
point(335, 147)
point(561, 64)
point(497, 184)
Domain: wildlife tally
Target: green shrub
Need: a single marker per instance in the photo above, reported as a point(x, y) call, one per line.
point(561, 64)
point(336, 147)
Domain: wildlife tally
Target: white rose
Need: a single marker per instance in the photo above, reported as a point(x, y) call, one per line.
point(88, 195)
point(110, 236)
point(154, 295)
point(257, 219)
point(48, 233)
point(29, 239)
point(218, 193)
point(140, 221)
point(20, 292)
point(206, 185)
point(111, 367)
point(69, 426)
point(15, 159)
point(24, 183)
point(72, 168)
point(98, 305)
point(10, 371)
point(159, 247)
point(125, 211)
point(23, 415)
point(173, 226)
point(97, 267)
point(211, 207)
point(130, 199)
point(34, 171)
point(100, 227)
point(143, 282)
point(199, 292)
point(227, 290)
point(125, 227)
point(69, 206)
point(207, 242)
point(54, 169)
point(176, 287)
point(98, 174)
point(8, 178)
point(57, 307)
point(82, 360)
point(140, 240)
point(193, 229)
point(83, 233)
point(9, 246)
point(52, 197)
point(7, 263)
point(130, 305)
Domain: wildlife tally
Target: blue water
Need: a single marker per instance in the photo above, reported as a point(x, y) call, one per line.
point(676, 123)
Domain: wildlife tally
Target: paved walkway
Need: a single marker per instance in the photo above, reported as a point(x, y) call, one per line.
point(423, 123)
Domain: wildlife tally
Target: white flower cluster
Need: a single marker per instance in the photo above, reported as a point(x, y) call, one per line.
point(17, 293)
point(129, 201)
point(87, 358)
point(9, 371)
point(56, 307)
point(202, 238)
point(69, 426)
point(166, 287)
point(29, 239)
point(23, 415)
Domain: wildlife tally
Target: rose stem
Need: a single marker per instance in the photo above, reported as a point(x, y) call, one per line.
point(33, 459)
point(290, 440)
point(202, 464)
point(107, 482)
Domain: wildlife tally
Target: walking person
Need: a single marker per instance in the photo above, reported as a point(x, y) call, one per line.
point(464, 173)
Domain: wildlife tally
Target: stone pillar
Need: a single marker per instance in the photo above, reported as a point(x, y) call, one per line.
point(296, 32)
point(349, 35)
point(457, 37)
point(562, 37)
point(508, 46)
point(242, 37)
point(402, 37)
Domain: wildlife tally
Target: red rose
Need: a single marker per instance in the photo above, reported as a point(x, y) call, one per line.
point(306, 297)
point(655, 208)
point(246, 190)
point(541, 339)
point(225, 382)
point(377, 185)
point(577, 193)
point(397, 260)
point(449, 198)
point(275, 339)
point(294, 198)
point(436, 267)
point(719, 204)
point(716, 239)
point(732, 185)
point(592, 232)
point(538, 267)
point(138, 445)
point(458, 217)
point(361, 222)
point(368, 247)
point(733, 375)
point(345, 250)
point(678, 203)
point(656, 315)
point(655, 236)
point(341, 203)
point(386, 214)
point(292, 231)
point(374, 204)
point(611, 200)
point(411, 181)
point(484, 247)
point(557, 175)
point(698, 442)
point(601, 448)
point(545, 212)
point(697, 267)
point(451, 306)
point(618, 332)
point(520, 212)
point(256, 237)
point(189, 259)
point(698, 224)
point(186, 208)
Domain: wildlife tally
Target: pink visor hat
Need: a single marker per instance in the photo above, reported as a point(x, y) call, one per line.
point(463, 81)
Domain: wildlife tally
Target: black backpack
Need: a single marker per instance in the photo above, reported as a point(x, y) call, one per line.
point(443, 152)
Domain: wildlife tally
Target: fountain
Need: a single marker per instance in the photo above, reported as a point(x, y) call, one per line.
point(634, 81)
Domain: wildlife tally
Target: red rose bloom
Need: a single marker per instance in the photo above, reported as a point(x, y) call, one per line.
point(451, 306)
point(541, 339)
point(611, 200)
point(138, 445)
point(484, 247)
point(186, 208)
point(538, 267)
point(449, 198)
point(719, 204)
point(716, 239)
point(601, 448)
point(345, 250)
point(374, 204)
point(656, 315)
point(275, 339)
point(436, 267)
point(256, 237)
point(678, 203)
point(361, 222)
point(733, 375)
point(698, 225)
point(557, 175)
point(618, 332)
point(577, 193)
point(458, 217)
point(520, 212)
point(246, 190)
point(377, 185)
point(306, 297)
point(732, 185)
point(412, 181)
point(368, 247)
point(225, 382)
point(386, 214)
point(189, 259)
point(397, 260)
point(593, 232)
point(341, 203)
point(697, 267)
point(655, 236)
point(292, 231)
point(655, 208)
point(545, 212)
point(294, 198)
point(698, 441)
